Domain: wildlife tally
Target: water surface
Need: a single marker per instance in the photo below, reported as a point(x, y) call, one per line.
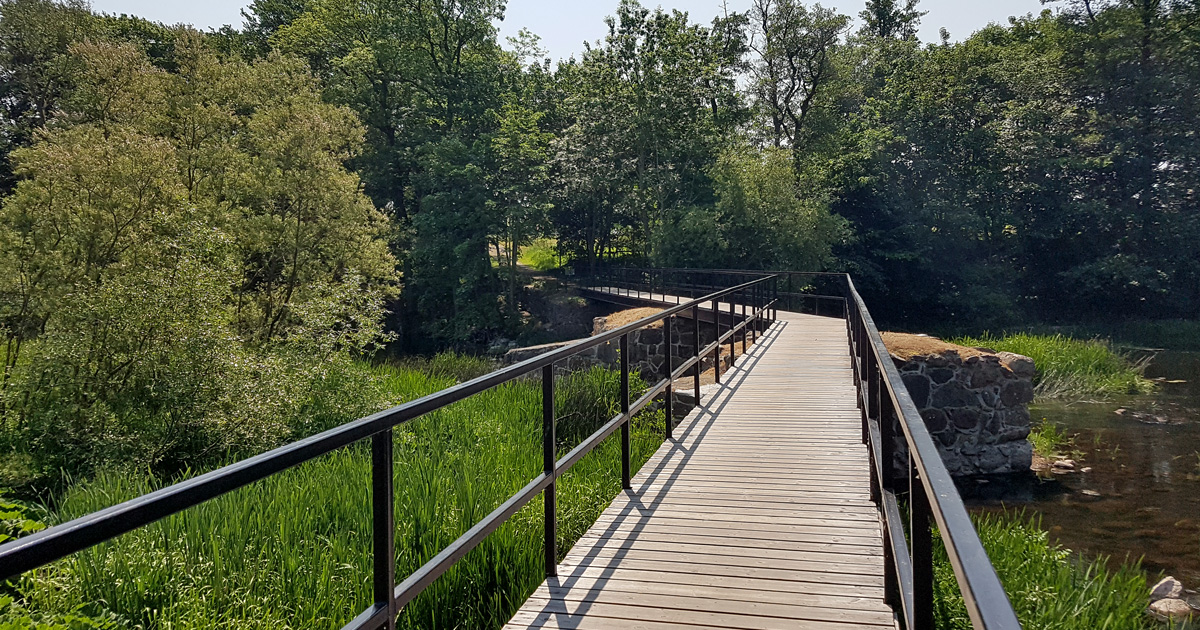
point(1141, 497)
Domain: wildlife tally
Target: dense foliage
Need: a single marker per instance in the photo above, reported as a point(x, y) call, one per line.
point(1042, 169)
point(187, 268)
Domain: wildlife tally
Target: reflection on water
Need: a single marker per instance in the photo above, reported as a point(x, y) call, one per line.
point(1145, 469)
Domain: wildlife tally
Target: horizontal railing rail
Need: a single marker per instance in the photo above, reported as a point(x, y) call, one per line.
point(754, 296)
point(911, 485)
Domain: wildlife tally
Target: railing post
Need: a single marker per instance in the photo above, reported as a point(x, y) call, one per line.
point(549, 453)
point(383, 525)
point(775, 293)
point(716, 310)
point(745, 323)
point(733, 336)
point(922, 552)
point(625, 447)
point(760, 325)
point(887, 446)
point(668, 330)
point(696, 340)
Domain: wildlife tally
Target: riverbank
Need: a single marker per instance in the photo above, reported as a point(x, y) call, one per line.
point(1070, 368)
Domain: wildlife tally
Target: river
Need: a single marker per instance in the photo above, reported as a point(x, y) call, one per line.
point(1141, 496)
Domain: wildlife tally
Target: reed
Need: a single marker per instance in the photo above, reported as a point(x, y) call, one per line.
point(1049, 586)
point(293, 551)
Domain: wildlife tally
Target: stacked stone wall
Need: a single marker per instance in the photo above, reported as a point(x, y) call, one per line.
point(976, 408)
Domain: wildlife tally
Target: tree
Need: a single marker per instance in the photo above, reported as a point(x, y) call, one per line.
point(650, 109)
point(890, 19)
point(179, 237)
point(794, 45)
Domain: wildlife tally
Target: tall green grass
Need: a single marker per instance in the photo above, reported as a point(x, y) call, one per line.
point(1049, 441)
point(1048, 585)
point(1070, 368)
point(541, 254)
point(293, 551)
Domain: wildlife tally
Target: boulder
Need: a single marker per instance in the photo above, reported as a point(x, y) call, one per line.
point(1167, 588)
point(1171, 610)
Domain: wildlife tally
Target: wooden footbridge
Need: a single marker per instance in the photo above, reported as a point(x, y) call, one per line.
point(757, 514)
point(802, 492)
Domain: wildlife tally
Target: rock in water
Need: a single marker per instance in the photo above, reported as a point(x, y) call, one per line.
point(1171, 609)
point(1167, 588)
point(1064, 464)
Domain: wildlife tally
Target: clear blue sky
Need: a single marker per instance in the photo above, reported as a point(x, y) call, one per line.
point(563, 25)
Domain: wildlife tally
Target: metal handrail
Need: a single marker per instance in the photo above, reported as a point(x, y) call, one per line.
point(932, 496)
point(54, 543)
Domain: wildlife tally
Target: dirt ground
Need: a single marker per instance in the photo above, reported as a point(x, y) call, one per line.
point(905, 346)
point(624, 318)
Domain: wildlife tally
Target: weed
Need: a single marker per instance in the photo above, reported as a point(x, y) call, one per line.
point(1049, 441)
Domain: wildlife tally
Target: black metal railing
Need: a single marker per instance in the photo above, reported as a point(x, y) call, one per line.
point(752, 293)
point(909, 481)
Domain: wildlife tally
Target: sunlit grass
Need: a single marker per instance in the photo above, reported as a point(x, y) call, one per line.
point(293, 551)
point(1049, 441)
point(541, 254)
point(1048, 585)
point(1070, 368)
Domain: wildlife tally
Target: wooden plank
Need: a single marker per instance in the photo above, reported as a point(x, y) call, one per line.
point(757, 516)
point(727, 590)
point(683, 574)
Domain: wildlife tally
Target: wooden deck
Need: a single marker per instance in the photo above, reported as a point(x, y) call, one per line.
point(756, 516)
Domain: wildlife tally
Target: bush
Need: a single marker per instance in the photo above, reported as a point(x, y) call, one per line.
point(187, 267)
point(1048, 586)
point(1070, 368)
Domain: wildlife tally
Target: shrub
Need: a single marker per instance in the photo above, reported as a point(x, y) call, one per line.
point(187, 268)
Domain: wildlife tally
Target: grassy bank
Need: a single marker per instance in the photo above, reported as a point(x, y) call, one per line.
point(294, 551)
point(1070, 368)
point(541, 255)
point(1048, 585)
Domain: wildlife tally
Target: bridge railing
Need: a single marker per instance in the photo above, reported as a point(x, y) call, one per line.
point(751, 293)
point(890, 420)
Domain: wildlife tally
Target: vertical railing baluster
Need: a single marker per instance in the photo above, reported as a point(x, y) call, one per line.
point(696, 341)
point(716, 311)
point(383, 524)
point(887, 446)
point(922, 551)
point(549, 453)
point(733, 336)
point(668, 331)
point(745, 324)
point(625, 447)
point(775, 297)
